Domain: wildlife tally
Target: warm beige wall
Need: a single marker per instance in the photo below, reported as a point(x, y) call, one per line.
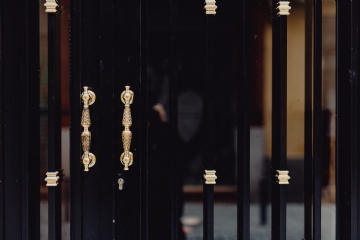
point(295, 87)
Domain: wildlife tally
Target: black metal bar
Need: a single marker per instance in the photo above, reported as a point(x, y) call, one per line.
point(54, 125)
point(143, 83)
point(20, 208)
point(176, 186)
point(75, 54)
point(318, 122)
point(209, 126)
point(279, 104)
point(354, 77)
point(343, 121)
point(2, 197)
point(308, 134)
point(107, 121)
point(243, 120)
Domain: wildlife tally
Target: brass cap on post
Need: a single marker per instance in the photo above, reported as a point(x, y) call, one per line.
point(282, 177)
point(210, 177)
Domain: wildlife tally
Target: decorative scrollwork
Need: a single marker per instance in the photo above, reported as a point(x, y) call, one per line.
point(126, 157)
point(88, 159)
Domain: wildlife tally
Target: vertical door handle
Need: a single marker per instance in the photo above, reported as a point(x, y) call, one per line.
point(126, 157)
point(88, 159)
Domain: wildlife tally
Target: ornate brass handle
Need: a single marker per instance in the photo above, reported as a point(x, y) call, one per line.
point(88, 159)
point(126, 157)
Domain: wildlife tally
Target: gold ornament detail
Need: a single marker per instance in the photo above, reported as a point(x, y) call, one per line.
point(210, 177)
point(210, 7)
point(88, 159)
point(282, 177)
point(51, 6)
point(126, 157)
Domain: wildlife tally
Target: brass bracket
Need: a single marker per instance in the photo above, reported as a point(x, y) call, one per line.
point(51, 6)
point(88, 159)
point(282, 177)
point(210, 177)
point(53, 178)
point(283, 8)
point(126, 157)
point(210, 7)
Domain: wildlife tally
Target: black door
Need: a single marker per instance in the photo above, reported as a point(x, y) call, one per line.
point(183, 120)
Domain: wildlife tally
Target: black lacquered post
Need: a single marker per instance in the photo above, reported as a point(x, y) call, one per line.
point(54, 123)
point(209, 126)
point(279, 95)
point(173, 114)
point(19, 124)
point(355, 130)
point(344, 185)
point(243, 120)
point(308, 136)
point(318, 122)
point(76, 89)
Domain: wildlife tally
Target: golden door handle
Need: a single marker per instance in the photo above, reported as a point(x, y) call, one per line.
point(88, 159)
point(126, 157)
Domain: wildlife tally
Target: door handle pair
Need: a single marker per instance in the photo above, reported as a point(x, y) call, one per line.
point(88, 98)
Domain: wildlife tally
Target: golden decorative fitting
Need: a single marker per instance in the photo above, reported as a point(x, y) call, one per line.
point(210, 177)
point(126, 157)
point(283, 8)
point(51, 6)
point(282, 177)
point(52, 179)
point(88, 159)
point(210, 7)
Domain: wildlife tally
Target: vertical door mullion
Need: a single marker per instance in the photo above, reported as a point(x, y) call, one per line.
point(354, 119)
point(144, 136)
point(105, 130)
point(243, 119)
point(209, 126)
point(344, 229)
point(173, 107)
point(318, 122)
point(308, 134)
point(19, 113)
point(279, 103)
point(76, 222)
point(54, 125)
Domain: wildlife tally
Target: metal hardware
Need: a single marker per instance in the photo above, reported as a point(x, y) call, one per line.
point(126, 157)
point(52, 179)
point(283, 8)
point(210, 177)
point(121, 183)
point(210, 7)
point(282, 177)
point(88, 159)
point(51, 6)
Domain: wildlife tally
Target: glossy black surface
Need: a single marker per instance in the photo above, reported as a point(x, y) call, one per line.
point(318, 156)
point(19, 113)
point(343, 123)
point(279, 123)
point(243, 120)
point(209, 127)
point(54, 124)
point(308, 122)
point(105, 56)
